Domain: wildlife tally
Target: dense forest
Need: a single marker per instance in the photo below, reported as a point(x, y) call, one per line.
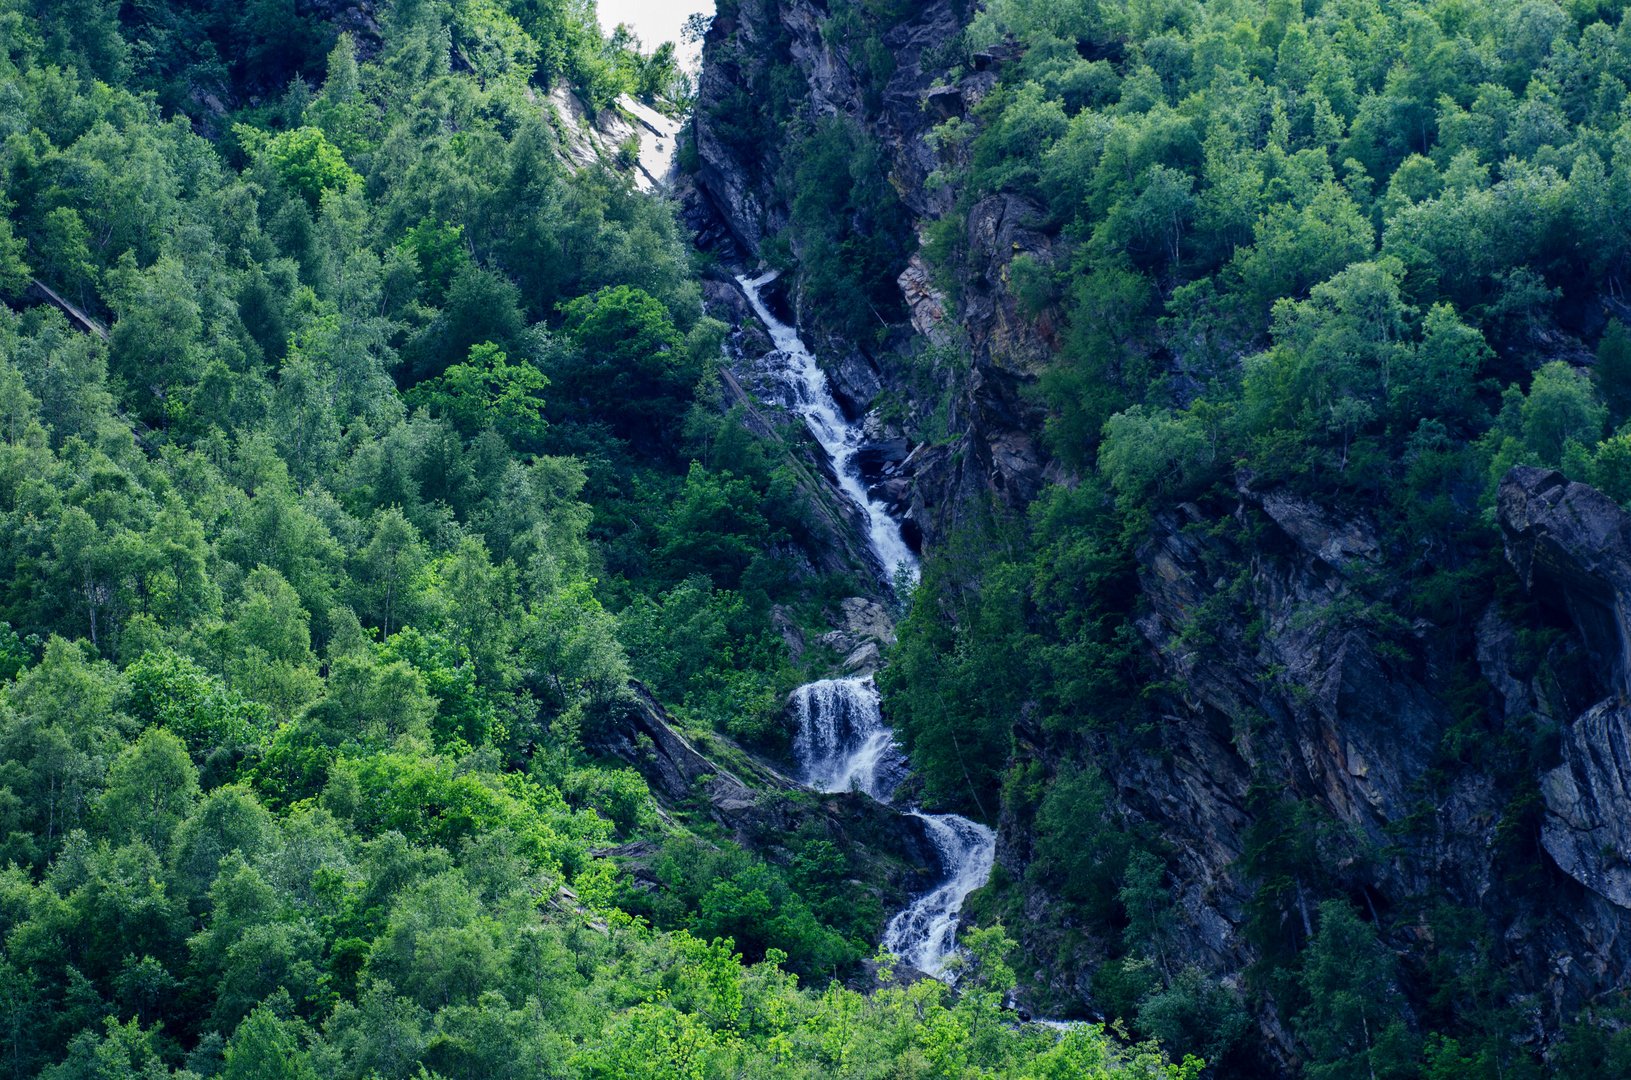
point(364, 455)
point(381, 511)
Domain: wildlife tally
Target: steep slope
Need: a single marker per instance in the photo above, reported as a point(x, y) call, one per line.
point(1328, 723)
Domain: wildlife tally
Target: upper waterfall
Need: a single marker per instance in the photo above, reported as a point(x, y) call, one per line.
point(809, 395)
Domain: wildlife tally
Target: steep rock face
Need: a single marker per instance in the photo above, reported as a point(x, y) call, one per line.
point(1276, 676)
point(1572, 547)
point(1277, 680)
point(744, 38)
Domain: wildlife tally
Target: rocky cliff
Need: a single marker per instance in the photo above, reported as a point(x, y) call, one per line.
point(737, 201)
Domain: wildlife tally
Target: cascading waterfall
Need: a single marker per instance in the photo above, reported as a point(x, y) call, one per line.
point(844, 745)
point(807, 393)
point(842, 742)
point(925, 933)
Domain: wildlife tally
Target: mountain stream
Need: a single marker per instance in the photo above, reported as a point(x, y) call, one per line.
point(805, 391)
point(842, 742)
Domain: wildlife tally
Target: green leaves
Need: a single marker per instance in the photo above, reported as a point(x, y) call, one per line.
point(488, 391)
point(631, 369)
point(309, 165)
point(151, 789)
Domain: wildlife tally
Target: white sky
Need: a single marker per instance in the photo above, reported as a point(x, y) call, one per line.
point(655, 21)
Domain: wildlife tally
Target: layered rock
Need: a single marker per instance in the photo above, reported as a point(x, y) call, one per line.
point(1290, 688)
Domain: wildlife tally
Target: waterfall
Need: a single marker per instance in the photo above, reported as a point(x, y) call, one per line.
point(806, 392)
point(843, 745)
point(924, 934)
point(842, 742)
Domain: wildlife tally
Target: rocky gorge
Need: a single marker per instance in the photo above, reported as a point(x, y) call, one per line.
point(1283, 694)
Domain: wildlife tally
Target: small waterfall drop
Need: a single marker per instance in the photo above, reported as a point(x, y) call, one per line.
point(806, 392)
point(924, 934)
point(843, 744)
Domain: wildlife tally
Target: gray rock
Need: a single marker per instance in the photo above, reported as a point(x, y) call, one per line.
point(1339, 542)
point(864, 658)
point(1587, 829)
point(1571, 545)
point(865, 618)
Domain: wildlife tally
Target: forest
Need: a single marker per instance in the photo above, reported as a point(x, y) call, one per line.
point(374, 461)
point(368, 455)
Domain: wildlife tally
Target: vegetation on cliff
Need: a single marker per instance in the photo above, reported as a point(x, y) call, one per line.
point(380, 450)
point(1366, 254)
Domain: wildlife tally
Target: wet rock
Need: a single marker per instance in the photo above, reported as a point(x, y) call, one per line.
point(874, 457)
point(853, 378)
point(863, 659)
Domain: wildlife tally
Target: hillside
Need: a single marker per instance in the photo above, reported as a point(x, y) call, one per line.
point(518, 562)
point(1211, 335)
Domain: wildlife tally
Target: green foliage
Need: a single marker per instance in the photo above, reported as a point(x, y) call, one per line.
point(850, 228)
point(631, 368)
point(1352, 1022)
point(150, 789)
point(309, 165)
point(1007, 613)
point(488, 392)
point(173, 692)
point(440, 254)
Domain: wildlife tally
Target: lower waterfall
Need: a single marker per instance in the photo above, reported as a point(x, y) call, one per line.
point(843, 745)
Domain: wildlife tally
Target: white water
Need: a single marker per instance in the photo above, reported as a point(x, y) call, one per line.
point(925, 934)
point(809, 395)
point(842, 742)
point(843, 745)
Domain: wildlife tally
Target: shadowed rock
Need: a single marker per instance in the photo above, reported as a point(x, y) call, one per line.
point(1571, 545)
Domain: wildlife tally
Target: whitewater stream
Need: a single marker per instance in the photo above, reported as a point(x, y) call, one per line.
point(842, 742)
point(804, 390)
point(842, 745)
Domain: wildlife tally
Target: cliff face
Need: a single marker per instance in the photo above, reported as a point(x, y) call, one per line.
point(1300, 692)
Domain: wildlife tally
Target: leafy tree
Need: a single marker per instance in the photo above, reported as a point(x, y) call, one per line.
point(631, 369)
point(1614, 370)
point(266, 1047)
point(1351, 1023)
point(440, 254)
point(309, 165)
point(1561, 406)
point(150, 789)
point(488, 391)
